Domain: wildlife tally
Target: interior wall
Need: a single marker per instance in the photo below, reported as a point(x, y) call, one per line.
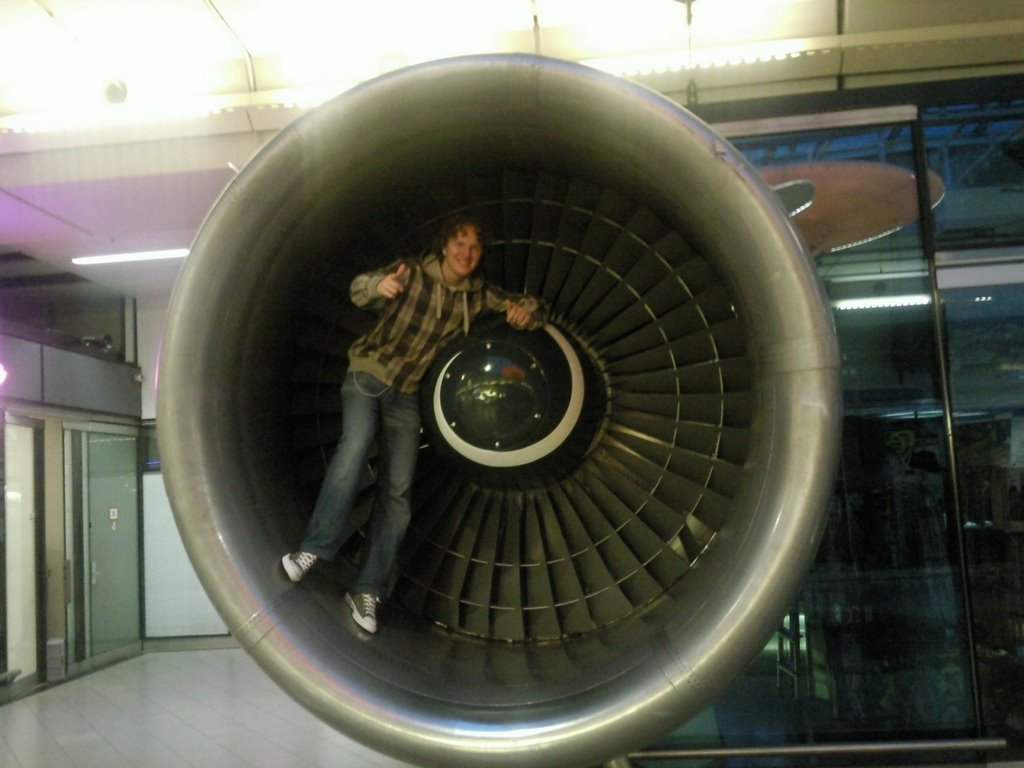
point(176, 605)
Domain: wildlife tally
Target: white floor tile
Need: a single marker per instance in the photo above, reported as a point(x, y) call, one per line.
point(174, 709)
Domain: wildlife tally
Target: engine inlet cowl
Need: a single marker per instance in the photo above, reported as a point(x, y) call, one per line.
point(611, 514)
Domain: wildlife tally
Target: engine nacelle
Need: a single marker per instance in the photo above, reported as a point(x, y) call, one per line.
point(557, 605)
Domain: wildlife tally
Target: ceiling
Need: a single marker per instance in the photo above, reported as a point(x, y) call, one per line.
point(121, 121)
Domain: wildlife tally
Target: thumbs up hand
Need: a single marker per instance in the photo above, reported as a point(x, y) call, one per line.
point(392, 283)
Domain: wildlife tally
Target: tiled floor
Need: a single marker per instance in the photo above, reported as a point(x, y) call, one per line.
point(174, 709)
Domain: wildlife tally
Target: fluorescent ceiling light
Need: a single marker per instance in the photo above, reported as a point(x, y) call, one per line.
point(931, 413)
point(115, 258)
point(882, 302)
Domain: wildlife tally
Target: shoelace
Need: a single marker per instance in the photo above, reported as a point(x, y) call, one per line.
point(368, 606)
point(305, 560)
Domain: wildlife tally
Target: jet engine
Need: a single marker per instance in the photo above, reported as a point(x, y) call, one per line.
point(611, 514)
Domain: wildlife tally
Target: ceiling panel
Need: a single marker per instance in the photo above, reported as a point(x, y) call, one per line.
point(946, 48)
point(68, 52)
point(22, 224)
point(105, 209)
point(210, 81)
point(733, 22)
point(882, 15)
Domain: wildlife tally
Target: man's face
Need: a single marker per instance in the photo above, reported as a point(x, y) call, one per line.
point(461, 253)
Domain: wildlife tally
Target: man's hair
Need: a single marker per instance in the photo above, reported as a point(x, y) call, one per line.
point(457, 222)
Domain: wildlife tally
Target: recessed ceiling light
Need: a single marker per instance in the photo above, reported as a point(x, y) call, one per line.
point(115, 258)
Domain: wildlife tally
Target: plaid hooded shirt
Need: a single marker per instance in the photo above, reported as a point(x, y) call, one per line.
point(423, 319)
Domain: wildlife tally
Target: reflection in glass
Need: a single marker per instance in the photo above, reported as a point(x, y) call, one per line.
point(875, 645)
point(986, 361)
point(494, 396)
point(979, 150)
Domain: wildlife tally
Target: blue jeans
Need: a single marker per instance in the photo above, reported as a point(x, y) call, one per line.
point(370, 408)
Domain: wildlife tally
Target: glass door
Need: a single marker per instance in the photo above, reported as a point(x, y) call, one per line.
point(102, 543)
point(21, 524)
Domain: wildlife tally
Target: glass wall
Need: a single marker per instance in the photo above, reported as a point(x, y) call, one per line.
point(979, 148)
point(985, 325)
point(876, 647)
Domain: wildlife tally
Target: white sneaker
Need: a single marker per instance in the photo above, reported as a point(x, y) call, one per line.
point(297, 564)
point(364, 609)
